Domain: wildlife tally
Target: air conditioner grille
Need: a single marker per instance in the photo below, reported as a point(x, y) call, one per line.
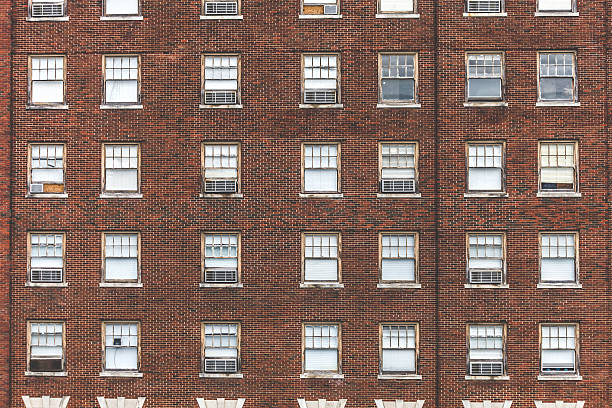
point(220, 97)
point(320, 97)
point(398, 186)
point(221, 8)
point(488, 368)
point(220, 276)
point(46, 275)
point(47, 9)
point(220, 186)
point(491, 277)
point(330, 9)
point(484, 6)
point(220, 366)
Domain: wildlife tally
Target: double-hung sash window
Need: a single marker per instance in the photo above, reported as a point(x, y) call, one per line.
point(559, 348)
point(552, 6)
point(321, 168)
point(221, 257)
point(321, 348)
point(321, 79)
point(486, 349)
point(398, 349)
point(485, 167)
point(398, 75)
point(46, 169)
point(121, 168)
point(47, 9)
point(122, 79)
point(558, 165)
point(46, 257)
point(398, 257)
point(321, 258)
point(398, 167)
point(321, 7)
point(121, 260)
point(557, 80)
point(396, 6)
point(47, 80)
point(121, 346)
point(558, 258)
point(485, 6)
point(221, 168)
point(46, 346)
point(121, 8)
point(221, 7)
point(221, 83)
point(485, 76)
point(221, 347)
point(486, 260)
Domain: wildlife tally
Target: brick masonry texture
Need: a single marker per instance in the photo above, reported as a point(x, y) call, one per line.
point(270, 127)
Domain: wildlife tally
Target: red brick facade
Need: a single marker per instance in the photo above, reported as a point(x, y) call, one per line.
point(271, 215)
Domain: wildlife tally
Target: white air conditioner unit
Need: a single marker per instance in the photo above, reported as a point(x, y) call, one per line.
point(398, 186)
point(323, 96)
point(47, 10)
point(46, 275)
point(489, 368)
point(220, 365)
point(221, 8)
point(220, 275)
point(36, 188)
point(220, 186)
point(220, 97)
point(485, 276)
point(330, 9)
point(484, 6)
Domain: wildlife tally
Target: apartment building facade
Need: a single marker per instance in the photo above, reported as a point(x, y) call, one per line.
point(316, 203)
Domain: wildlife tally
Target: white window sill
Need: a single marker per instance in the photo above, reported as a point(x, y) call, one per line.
point(216, 195)
point(46, 195)
point(321, 375)
point(221, 106)
point(220, 375)
point(556, 14)
point(398, 105)
point(121, 18)
point(47, 107)
point(321, 195)
point(127, 106)
point(485, 14)
point(485, 104)
point(221, 285)
point(131, 374)
point(233, 17)
point(485, 286)
point(559, 103)
point(560, 377)
point(63, 18)
point(398, 195)
point(321, 106)
point(118, 195)
point(485, 195)
point(120, 285)
point(570, 194)
point(487, 377)
point(46, 374)
point(559, 286)
point(398, 15)
point(399, 377)
point(46, 285)
point(398, 285)
point(322, 285)
point(319, 16)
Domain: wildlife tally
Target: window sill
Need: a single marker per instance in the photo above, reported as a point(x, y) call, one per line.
point(129, 195)
point(398, 105)
point(322, 285)
point(120, 285)
point(121, 18)
point(321, 195)
point(221, 106)
point(556, 14)
point(322, 375)
point(321, 106)
point(398, 15)
point(220, 375)
point(46, 374)
point(398, 286)
point(110, 106)
point(398, 195)
point(485, 195)
point(485, 104)
point(487, 377)
point(46, 285)
point(319, 16)
point(400, 377)
point(559, 286)
point(131, 374)
point(46, 195)
point(221, 285)
point(63, 18)
point(485, 14)
point(47, 107)
point(485, 286)
point(552, 377)
point(216, 195)
point(567, 194)
point(233, 17)
point(560, 104)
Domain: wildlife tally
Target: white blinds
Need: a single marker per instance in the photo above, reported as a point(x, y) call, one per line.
point(399, 360)
point(321, 360)
point(555, 5)
point(395, 6)
point(121, 7)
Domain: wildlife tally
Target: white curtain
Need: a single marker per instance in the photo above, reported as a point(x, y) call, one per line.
point(396, 5)
point(555, 5)
point(121, 268)
point(399, 360)
point(321, 360)
point(229, 263)
point(558, 359)
point(47, 262)
point(398, 269)
point(121, 7)
point(48, 91)
point(485, 179)
point(122, 91)
point(320, 84)
point(122, 179)
point(219, 352)
point(563, 175)
point(121, 358)
point(321, 270)
point(48, 175)
point(483, 263)
point(221, 173)
point(486, 354)
point(558, 269)
point(325, 180)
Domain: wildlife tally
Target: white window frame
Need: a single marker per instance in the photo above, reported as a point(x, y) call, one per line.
point(574, 77)
point(486, 326)
point(30, 345)
point(237, 347)
point(29, 277)
point(502, 76)
point(382, 348)
point(138, 13)
point(338, 168)
point(57, 104)
point(576, 349)
point(315, 373)
point(393, 12)
point(502, 270)
point(238, 257)
point(576, 279)
point(575, 166)
point(415, 78)
point(238, 80)
point(104, 346)
point(105, 79)
point(120, 193)
point(51, 185)
point(105, 256)
point(338, 258)
point(382, 167)
point(415, 237)
point(338, 79)
point(486, 144)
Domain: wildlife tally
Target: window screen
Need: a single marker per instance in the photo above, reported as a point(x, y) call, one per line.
point(46, 346)
point(121, 346)
point(557, 76)
point(47, 80)
point(398, 78)
point(485, 167)
point(398, 257)
point(321, 258)
point(321, 348)
point(47, 169)
point(121, 257)
point(321, 168)
point(398, 348)
point(121, 82)
point(121, 168)
point(484, 75)
point(557, 167)
point(558, 352)
point(558, 262)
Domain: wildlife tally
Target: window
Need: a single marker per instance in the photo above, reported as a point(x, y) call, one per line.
point(121, 257)
point(398, 78)
point(121, 7)
point(396, 6)
point(398, 167)
point(46, 257)
point(398, 352)
point(47, 80)
point(321, 254)
point(121, 346)
point(485, 6)
point(121, 168)
point(321, 348)
point(320, 168)
point(558, 258)
point(486, 346)
point(557, 78)
point(398, 257)
point(46, 169)
point(321, 78)
point(221, 80)
point(221, 168)
point(559, 348)
point(558, 165)
point(221, 347)
point(46, 346)
point(486, 167)
point(485, 77)
point(320, 7)
point(557, 5)
point(221, 8)
point(122, 79)
point(486, 258)
point(221, 257)
point(47, 9)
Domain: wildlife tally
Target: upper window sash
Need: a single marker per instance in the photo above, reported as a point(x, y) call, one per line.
point(46, 257)
point(559, 257)
point(485, 163)
point(221, 7)
point(47, 9)
point(47, 80)
point(484, 6)
point(121, 169)
point(321, 78)
point(399, 348)
point(121, 7)
point(398, 77)
point(121, 79)
point(320, 7)
point(46, 168)
point(46, 344)
point(221, 79)
point(556, 5)
point(396, 6)
point(121, 346)
point(557, 76)
point(485, 76)
point(559, 346)
point(558, 166)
